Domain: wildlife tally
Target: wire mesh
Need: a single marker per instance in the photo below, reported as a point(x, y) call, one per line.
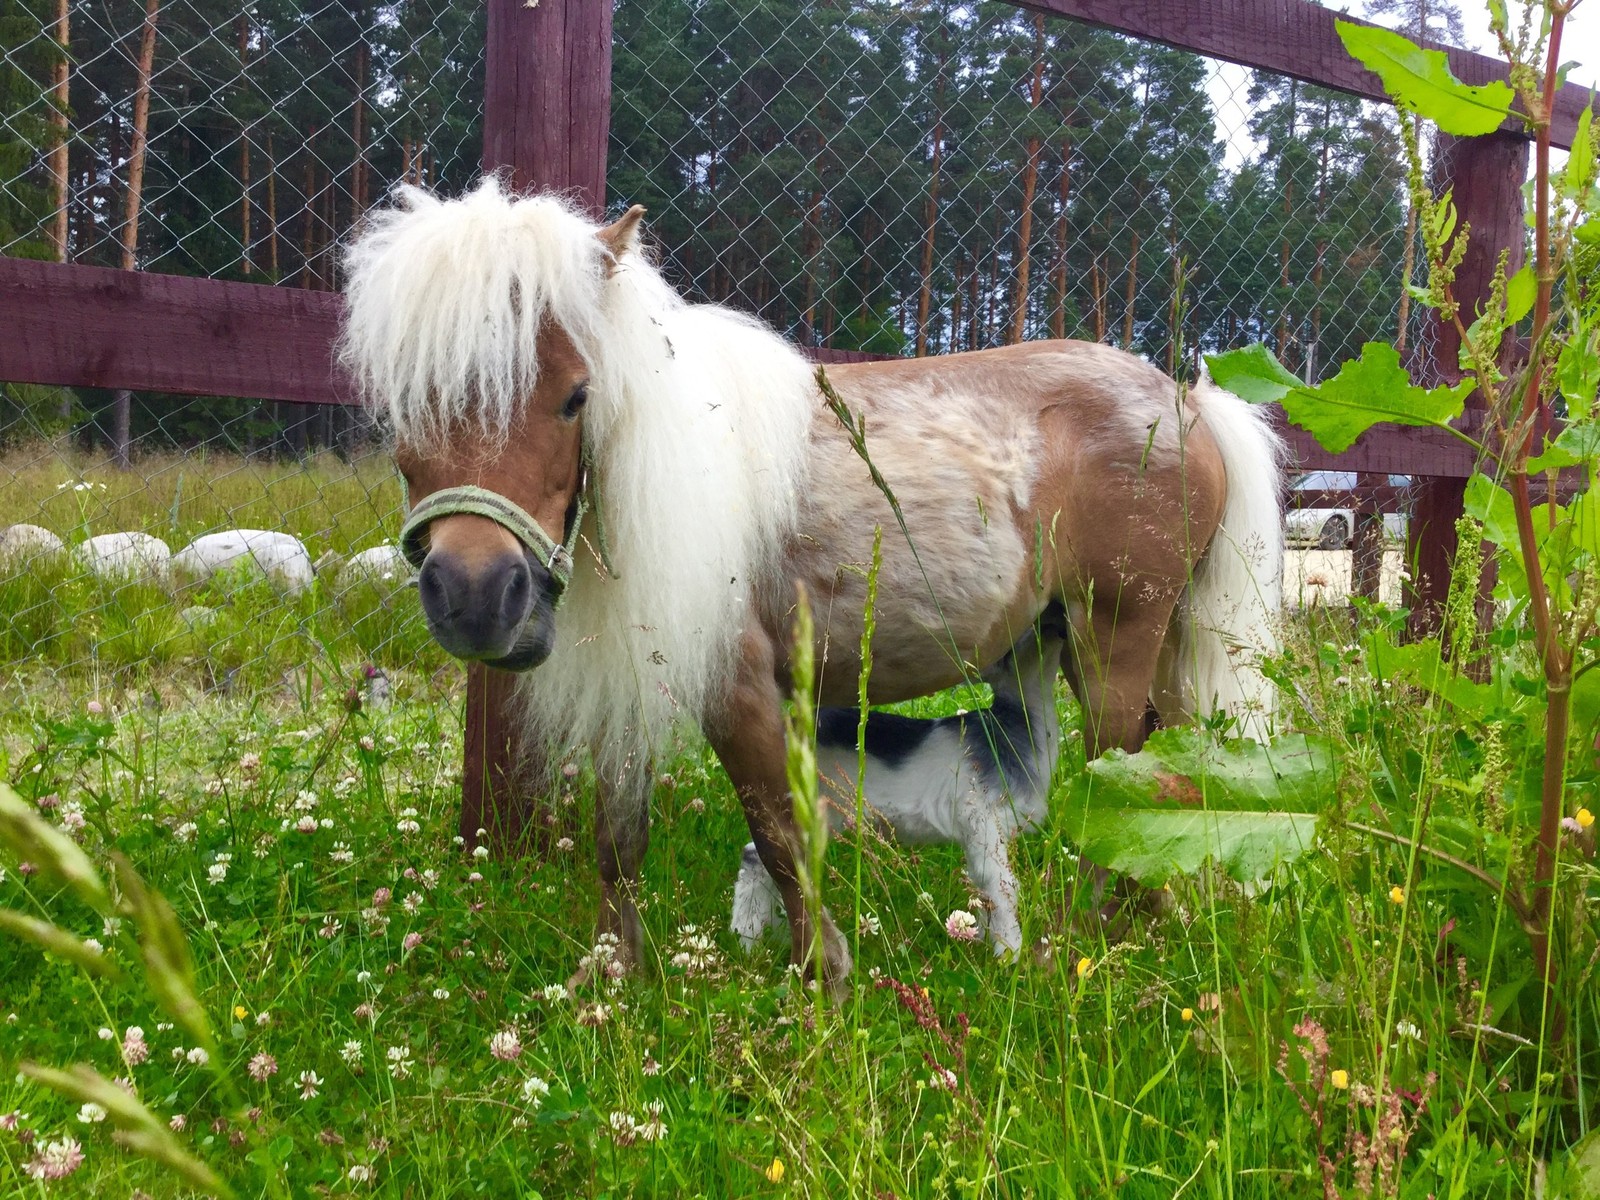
point(866, 175)
point(197, 138)
point(936, 177)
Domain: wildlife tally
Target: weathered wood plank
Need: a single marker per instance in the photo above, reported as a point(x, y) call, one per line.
point(78, 326)
point(1291, 37)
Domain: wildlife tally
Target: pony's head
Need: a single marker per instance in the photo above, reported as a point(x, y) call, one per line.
point(467, 325)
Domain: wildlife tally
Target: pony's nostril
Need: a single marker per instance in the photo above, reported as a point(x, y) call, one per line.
point(514, 598)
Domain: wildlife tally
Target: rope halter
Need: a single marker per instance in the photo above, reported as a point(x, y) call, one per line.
point(556, 557)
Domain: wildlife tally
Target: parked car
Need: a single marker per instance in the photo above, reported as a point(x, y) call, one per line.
point(1332, 528)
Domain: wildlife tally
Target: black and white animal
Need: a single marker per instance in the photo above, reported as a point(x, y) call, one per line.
point(976, 779)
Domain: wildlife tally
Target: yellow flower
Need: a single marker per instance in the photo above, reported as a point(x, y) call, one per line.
point(1187, 1014)
point(1585, 817)
point(774, 1173)
point(240, 1012)
point(1340, 1079)
point(1397, 894)
point(1085, 968)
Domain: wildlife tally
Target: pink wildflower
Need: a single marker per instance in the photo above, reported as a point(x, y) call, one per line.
point(962, 926)
point(506, 1045)
point(263, 1066)
point(410, 942)
point(134, 1048)
point(56, 1161)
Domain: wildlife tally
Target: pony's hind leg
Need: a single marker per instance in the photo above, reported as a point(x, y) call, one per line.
point(1114, 653)
point(748, 739)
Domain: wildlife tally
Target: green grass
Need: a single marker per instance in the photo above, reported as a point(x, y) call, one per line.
point(1198, 1054)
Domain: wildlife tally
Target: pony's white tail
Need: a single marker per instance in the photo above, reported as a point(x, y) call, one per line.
point(1229, 616)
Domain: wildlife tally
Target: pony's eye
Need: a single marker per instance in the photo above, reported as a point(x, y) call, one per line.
point(575, 402)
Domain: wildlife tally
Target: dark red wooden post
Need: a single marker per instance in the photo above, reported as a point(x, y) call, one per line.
point(1486, 176)
point(546, 120)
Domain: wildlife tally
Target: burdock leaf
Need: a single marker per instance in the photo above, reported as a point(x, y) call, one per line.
point(59, 942)
point(1186, 798)
point(1421, 80)
point(1371, 390)
point(34, 840)
point(1252, 373)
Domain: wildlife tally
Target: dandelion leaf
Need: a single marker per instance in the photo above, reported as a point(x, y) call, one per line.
point(1186, 799)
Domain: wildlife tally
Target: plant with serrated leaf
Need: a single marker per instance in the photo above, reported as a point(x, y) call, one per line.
point(1542, 688)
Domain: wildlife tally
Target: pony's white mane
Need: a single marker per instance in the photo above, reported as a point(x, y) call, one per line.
point(697, 420)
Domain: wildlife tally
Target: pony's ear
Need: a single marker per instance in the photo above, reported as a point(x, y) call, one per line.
point(622, 235)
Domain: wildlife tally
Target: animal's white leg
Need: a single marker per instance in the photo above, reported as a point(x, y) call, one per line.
point(989, 866)
point(755, 899)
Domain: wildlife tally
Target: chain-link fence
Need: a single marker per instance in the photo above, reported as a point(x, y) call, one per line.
point(887, 177)
point(234, 142)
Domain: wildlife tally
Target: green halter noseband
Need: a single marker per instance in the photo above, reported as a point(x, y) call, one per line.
point(556, 557)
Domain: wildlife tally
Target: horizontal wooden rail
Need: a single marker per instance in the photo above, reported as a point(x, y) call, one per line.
point(77, 326)
point(1291, 37)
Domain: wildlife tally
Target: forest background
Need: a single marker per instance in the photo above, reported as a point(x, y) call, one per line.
point(894, 178)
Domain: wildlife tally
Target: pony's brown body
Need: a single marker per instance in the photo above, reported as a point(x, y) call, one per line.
point(1051, 472)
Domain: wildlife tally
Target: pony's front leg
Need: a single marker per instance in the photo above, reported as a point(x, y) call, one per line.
point(748, 739)
point(621, 836)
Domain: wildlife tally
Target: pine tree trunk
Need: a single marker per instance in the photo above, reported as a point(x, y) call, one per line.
point(930, 215)
point(272, 211)
point(1097, 292)
point(244, 150)
point(1058, 313)
point(325, 257)
point(308, 211)
point(1030, 182)
point(122, 406)
point(813, 246)
point(1132, 290)
point(358, 121)
point(59, 195)
point(972, 305)
point(955, 302)
point(1174, 308)
point(62, 74)
point(1283, 245)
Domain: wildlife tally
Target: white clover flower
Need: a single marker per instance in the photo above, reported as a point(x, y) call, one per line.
point(350, 1052)
point(342, 854)
point(399, 1061)
point(198, 1056)
point(506, 1045)
point(534, 1090)
point(554, 992)
point(309, 1083)
point(91, 1114)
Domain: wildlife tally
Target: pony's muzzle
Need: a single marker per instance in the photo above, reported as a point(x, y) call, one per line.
point(483, 610)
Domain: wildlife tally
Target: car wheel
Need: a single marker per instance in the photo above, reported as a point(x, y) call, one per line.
point(1335, 534)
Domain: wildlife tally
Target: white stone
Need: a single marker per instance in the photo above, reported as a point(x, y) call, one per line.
point(198, 616)
point(382, 563)
point(27, 542)
point(281, 557)
point(124, 555)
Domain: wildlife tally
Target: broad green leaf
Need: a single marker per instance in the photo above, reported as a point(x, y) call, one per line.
point(1185, 798)
point(1574, 446)
point(1251, 373)
point(1521, 291)
point(1578, 374)
point(1369, 391)
point(1154, 846)
point(1422, 663)
point(1589, 232)
point(1577, 175)
point(1421, 81)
